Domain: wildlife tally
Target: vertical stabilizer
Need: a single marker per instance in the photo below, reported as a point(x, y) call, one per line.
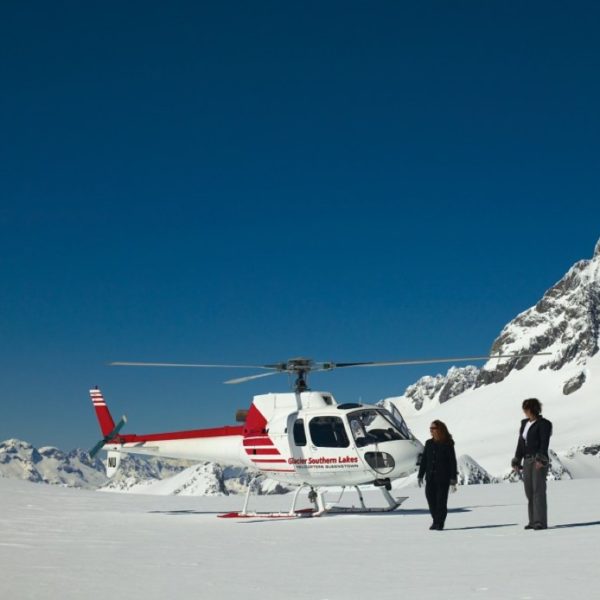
point(105, 419)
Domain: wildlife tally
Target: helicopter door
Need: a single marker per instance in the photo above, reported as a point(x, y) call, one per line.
point(329, 450)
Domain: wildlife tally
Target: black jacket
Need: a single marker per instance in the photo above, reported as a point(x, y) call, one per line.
point(438, 462)
point(538, 439)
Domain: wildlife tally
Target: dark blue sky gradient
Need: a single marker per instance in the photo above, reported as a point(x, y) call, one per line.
point(246, 182)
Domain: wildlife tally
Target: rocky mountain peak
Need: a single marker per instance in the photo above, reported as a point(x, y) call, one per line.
point(564, 323)
point(442, 387)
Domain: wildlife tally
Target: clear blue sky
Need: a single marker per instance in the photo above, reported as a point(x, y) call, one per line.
point(251, 181)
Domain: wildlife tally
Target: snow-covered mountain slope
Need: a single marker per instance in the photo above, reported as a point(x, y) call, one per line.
point(483, 407)
point(203, 479)
point(135, 470)
point(485, 421)
point(66, 544)
point(565, 323)
point(151, 475)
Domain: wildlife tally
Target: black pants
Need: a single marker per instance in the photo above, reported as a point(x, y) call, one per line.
point(436, 493)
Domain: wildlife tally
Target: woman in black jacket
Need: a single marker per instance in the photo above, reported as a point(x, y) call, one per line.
point(438, 466)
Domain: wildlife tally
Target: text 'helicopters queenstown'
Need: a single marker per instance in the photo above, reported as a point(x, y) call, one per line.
point(303, 437)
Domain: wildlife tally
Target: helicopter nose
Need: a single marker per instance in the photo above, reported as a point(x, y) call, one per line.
point(394, 459)
point(406, 457)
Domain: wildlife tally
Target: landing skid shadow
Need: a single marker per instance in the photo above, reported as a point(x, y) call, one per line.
point(185, 512)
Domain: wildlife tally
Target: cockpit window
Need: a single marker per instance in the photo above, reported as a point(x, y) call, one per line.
point(299, 433)
point(372, 426)
point(328, 432)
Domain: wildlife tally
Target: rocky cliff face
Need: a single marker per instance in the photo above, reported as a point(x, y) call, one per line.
point(442, 387)
point(564, 323)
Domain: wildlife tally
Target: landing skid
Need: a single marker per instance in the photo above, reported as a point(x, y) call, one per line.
point(320, 507)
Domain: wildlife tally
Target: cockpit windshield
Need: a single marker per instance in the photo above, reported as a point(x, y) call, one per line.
point(399, 420)
point(372, 426)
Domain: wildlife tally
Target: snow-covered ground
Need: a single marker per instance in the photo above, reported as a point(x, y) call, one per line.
point(62, 543)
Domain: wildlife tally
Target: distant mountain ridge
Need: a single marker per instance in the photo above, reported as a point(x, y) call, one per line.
point(154, 475)
point(21, 460)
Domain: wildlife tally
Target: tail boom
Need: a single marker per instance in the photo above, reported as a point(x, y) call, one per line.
point(222, 445)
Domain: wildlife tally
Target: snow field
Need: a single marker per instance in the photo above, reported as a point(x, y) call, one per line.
point(72, 544)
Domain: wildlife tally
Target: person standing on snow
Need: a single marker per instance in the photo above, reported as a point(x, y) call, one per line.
point(532, 449)
point(438, 466)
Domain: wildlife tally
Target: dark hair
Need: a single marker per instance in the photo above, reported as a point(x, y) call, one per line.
point(445, 434)
point(533, 405)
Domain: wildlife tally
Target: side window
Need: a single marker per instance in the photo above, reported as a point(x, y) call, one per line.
point(328, 432)
point(299, 433)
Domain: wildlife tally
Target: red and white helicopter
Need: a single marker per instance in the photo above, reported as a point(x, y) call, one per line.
point(303, 438)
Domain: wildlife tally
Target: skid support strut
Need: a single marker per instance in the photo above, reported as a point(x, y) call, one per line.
point(244, 510)
point(392, 504)
point(320, 508)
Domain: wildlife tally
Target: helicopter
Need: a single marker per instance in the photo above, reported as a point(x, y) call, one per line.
point(304, 438)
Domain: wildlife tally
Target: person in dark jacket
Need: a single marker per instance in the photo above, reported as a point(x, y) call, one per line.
point(438, 466)
point(531, 458)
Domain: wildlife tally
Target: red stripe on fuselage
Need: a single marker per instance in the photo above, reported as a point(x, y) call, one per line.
point(180, 435)
point(257, 441)
point(267, 460)
point(253, 451)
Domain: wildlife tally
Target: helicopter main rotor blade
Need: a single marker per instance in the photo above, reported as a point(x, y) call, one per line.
point(430, 361)
point(251, 377)
point(185, 365)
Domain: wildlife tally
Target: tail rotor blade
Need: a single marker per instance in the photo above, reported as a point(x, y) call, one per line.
point(108, 437)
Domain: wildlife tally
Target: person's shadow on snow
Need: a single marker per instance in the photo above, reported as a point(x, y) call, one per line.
point(423, 511)
point(566, 525)
point(480, 527)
